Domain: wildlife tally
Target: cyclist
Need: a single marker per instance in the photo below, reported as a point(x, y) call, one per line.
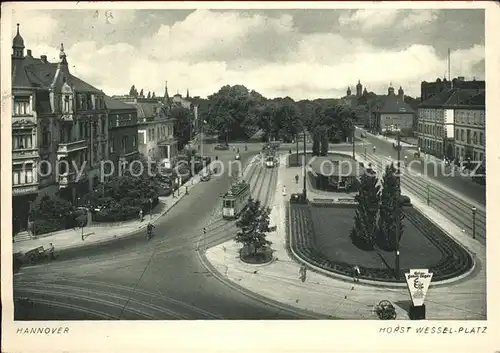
point(149, 231)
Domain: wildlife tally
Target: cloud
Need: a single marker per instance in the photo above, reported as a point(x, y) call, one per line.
point(209, 49)
point(38, 26)
point(368, 19)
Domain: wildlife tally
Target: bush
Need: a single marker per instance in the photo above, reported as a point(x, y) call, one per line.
point(47, 226)
point(116, 214)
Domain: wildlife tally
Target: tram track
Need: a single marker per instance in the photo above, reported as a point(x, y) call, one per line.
point(122, 293)
point(453, 207)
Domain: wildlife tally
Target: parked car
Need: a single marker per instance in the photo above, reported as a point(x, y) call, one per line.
point(222, 147)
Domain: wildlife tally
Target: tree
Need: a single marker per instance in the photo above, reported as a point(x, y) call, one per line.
point(389, 204)
point(183, 126)
point(253, 227)
point(149, 94)
point(142, 93)
point(133, 91)
point(154, 95)
point(363, 234)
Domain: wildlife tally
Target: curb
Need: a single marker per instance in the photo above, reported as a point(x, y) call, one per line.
point(255, 296)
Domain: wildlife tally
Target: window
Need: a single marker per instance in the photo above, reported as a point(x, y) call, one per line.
point(22, 141)
point(468, 137)
point(22, 175)
point(66, 104)
point(475, 137)
point(476, 118)
point(141, 137)
point(462, 135)
point(103, 150)
point(22, 106)
point(152, 133)
point(112, 145)
point(456, 134)
point(134, 141)
point(481, 139)
point(45, 136)
point(124, 144)
point(103, 126)
point(149, 135)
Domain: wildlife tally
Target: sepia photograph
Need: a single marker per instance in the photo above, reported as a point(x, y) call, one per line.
point(260, 163)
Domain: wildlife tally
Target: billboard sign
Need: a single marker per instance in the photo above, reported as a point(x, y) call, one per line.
point(418, 282)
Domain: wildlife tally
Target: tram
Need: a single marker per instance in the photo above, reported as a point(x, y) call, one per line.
point(270, 162)
point(235, 200)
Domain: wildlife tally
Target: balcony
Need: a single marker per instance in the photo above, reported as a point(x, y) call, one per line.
point(24, 153)
point(24, 189)
point(68, 147)
point(66, 179)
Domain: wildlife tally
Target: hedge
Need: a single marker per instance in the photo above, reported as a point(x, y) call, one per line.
point(120, 213)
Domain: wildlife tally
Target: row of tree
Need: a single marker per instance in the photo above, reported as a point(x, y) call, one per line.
point(235, 112)
point(378, 213)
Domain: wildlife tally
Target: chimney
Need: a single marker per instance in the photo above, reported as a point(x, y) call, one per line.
point(44, 58)
point(28, 53)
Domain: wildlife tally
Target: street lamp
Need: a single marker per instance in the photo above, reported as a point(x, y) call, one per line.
point(474, 222)
point(398, 210)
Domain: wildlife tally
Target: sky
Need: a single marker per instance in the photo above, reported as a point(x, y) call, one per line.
point(303, 54)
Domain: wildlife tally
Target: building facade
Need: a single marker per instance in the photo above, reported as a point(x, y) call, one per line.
point(59, 128)
point(155, 128)
point(123, 134)
point(393, 114)
point(452, 124)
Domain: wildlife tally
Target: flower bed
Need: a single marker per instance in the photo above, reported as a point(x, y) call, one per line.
point(454, 260)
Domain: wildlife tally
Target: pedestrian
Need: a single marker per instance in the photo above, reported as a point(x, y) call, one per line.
point(296, 179)
point(355, 273)
point(51, 251)
point(141, 215)
point(303, 273)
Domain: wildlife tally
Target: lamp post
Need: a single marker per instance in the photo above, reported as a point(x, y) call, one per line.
point(474, 222)
point(353, 143)
point(150, 209)
point(398, 210)
point(304, 191)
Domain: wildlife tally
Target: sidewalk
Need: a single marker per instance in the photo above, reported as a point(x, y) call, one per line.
point(279, 281)
point(106, 232)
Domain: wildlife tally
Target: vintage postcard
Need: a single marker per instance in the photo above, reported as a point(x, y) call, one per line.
point(232, 176)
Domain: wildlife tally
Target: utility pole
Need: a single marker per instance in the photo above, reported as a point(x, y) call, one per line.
point(398, 209)
point(305, 171)
point(353, 144)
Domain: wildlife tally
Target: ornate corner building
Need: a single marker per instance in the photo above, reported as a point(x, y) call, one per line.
point(60, 127)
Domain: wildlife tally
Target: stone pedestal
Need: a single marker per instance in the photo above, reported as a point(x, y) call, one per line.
point(417, 312)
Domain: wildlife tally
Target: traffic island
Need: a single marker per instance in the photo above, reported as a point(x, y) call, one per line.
point(260, 257)
point(319, 235)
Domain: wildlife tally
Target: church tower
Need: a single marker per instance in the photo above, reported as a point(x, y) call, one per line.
point(390, 90)
point(401, 94)
point(359, 89)
point(348, 91)
point(18, 45)
point(166, 98)
point(187, 93)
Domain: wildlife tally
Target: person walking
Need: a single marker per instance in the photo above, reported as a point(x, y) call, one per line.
point(141, 215)
point(303, 273)
point(296, 179)
point(355, 273)
point(52, 251)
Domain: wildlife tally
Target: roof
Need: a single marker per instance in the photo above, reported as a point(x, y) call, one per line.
point(114, 104)
point(393, 104)
point(33, 72)
point(238, 188)
point(148, 109)
point(456, 97)
point(335, 166)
